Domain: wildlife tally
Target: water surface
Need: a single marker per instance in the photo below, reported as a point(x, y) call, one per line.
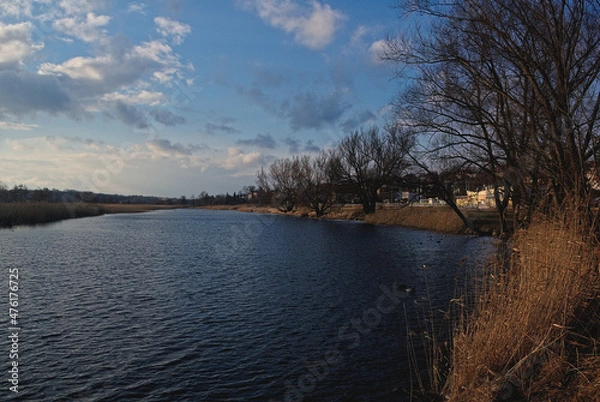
point(194, 305)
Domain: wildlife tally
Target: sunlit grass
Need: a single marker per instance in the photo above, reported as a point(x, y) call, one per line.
point(535, 330)
point(439, 219)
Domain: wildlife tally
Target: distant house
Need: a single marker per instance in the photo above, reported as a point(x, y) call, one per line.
point(484, 198)
point(408, 196)
point(432, 201)
point(462, 201)
point(252, 196)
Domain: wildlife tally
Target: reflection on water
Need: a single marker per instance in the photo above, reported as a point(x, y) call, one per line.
point(225, 306)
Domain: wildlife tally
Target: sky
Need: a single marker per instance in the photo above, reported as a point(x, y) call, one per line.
point(176, 97)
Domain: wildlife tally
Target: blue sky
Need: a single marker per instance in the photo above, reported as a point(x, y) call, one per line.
point(173, 98)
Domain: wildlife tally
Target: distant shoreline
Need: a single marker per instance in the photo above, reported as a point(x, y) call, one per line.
point(437, 219)
point(39, 213)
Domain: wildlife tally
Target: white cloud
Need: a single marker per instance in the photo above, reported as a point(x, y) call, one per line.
point(4, 125)
point(162, 152)
point(154, 167)
point(114, 81)
point(73, 7)
point(90, 68)
point(158, 52)
point(172, 29)
point(19, 8)
point(377, 51)
point(131, 97)
point(137, 8)
point(237, 158)
point(116, 71)
point(61, 162)
point(16, 43)
point(53, 162)
point(313, 27)
point(86, 29)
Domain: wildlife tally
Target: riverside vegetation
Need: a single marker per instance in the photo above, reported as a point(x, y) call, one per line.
point(34, 213)
point(23, 206)
point(532, 330)
point(528, 329)
point(438, 219)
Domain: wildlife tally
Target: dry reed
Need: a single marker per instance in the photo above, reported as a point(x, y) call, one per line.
point(438, 219)
point(534, 330)
point(341, 212)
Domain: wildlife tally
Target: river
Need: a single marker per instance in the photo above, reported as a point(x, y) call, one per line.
point(195, 305)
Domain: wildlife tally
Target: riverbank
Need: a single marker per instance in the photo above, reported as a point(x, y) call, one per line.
point(438, 219)
point(345, 212)
point(36, 213)
point(533, 329)
point(530, 328)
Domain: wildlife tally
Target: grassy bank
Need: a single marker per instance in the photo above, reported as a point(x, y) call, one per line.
point(36, 213)
point(345, 212)
point(534, 330)
point(437, 219)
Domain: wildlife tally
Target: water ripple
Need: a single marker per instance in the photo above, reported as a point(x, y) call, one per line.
point(218, 306)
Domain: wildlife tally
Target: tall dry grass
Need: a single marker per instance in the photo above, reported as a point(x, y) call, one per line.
point(534, 333)
point(438, 219)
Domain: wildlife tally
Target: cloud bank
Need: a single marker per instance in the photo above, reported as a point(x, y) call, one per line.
point(313, 27)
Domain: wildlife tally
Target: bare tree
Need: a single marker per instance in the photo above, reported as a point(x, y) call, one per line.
point(509, 86)
point(4, 195)
point(317, 182)
point(265, 190)
point(369, 159)
point(280, 184)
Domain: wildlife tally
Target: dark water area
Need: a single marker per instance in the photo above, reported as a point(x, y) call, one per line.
point(194, 305)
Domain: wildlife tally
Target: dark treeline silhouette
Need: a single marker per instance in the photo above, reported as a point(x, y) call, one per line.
point(22, 194)
point(237, 198)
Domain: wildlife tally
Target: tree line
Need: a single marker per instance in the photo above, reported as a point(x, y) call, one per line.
point(355, 170)
point(508, 87)
point(22, 194)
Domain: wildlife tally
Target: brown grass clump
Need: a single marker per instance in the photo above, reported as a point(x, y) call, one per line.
point(346, 212)
point(534, 332)
point(342, 212)
point(438, 219)
point(263, 209)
